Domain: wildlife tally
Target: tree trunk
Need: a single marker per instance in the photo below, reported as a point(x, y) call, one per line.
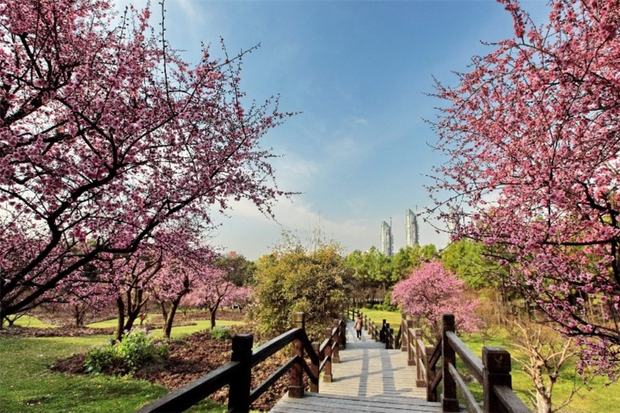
point(164, 312)
point(170, 318)
point(80, 314)
point(134, 309)
point(543, 403)
point(120, 305)
point(212, 313)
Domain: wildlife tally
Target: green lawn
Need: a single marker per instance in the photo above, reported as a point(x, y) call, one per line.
point(30, 321)
point(27, 385)
point(377, 316)
point(178, 331)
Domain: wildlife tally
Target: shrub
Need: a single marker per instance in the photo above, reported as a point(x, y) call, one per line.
point(100, 359)
point(220, 333)
point(136, 350)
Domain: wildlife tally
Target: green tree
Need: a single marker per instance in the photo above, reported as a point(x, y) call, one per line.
point(316, 283)
point(362, 284)
point(408, 258)
point(239, 270)
point(466, 259)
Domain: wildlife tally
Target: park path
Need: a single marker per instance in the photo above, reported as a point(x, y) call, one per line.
point(367, 379)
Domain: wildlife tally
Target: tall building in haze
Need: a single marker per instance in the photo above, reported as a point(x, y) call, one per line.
point(411, 228)
point(387, 240)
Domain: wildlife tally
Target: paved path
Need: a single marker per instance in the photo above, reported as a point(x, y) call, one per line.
point(367, 379)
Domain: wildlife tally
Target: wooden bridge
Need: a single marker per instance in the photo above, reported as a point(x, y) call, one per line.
point(368, 378)
point(360, 375)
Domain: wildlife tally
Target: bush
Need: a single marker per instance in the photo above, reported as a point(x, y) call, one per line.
point(220, 333)
point(136, 350)
point(100, 359)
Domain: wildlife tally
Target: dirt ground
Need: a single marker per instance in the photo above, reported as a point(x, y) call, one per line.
point(190, 358)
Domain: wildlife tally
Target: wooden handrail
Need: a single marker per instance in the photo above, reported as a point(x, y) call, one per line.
point(185, 397)
point(237, 373)
point(472, 361)
point(492, 371)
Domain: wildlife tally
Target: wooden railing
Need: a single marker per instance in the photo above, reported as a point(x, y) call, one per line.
point(237, 374)
point(492, 371)
point(383, 333)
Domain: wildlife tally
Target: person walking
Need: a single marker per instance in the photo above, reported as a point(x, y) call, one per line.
point(358, 326)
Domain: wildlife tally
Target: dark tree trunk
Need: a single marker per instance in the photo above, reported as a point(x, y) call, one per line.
point(120, 305)
point(170, 318)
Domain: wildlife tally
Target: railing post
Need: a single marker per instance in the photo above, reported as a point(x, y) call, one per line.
point(404, 338)
point(412, 344)
point(336, 349)
point(386, 335)
point(327, 371)
point(382, 332)
point(295, 383)
point(431, 373)
point(342, 325)
point(496, 371)
point(239, 394)
point(417, 355)
point(314, 388)
point(389, 345)
point(449, 402)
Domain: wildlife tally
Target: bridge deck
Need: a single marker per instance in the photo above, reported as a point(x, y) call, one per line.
point(367, 379)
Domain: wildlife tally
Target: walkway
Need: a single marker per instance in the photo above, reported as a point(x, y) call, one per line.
point(367, 379)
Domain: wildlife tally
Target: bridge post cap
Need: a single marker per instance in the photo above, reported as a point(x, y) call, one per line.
point(242, 347)
point(448, 319)
point(299, 320)
point(496, 359)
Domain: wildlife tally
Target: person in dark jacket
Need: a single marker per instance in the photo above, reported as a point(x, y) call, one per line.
point(358, 326)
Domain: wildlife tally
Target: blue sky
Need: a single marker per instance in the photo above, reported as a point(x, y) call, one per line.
point(358, 71)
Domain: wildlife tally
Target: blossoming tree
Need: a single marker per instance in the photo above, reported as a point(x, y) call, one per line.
point(532, 138)
point(212, 292)
point(431, 291)
point(186, 268)
point(106, 134)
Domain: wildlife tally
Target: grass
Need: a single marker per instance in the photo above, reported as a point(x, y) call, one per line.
point(30, 321)
point(178, 331)
point(377, 316)
point(29, 386)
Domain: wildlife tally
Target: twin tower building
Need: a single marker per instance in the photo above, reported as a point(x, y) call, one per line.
point(411, 231)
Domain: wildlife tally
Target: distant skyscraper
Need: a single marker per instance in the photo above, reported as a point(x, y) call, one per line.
point(411, 229)
point(387, 240)
point(452, 220)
